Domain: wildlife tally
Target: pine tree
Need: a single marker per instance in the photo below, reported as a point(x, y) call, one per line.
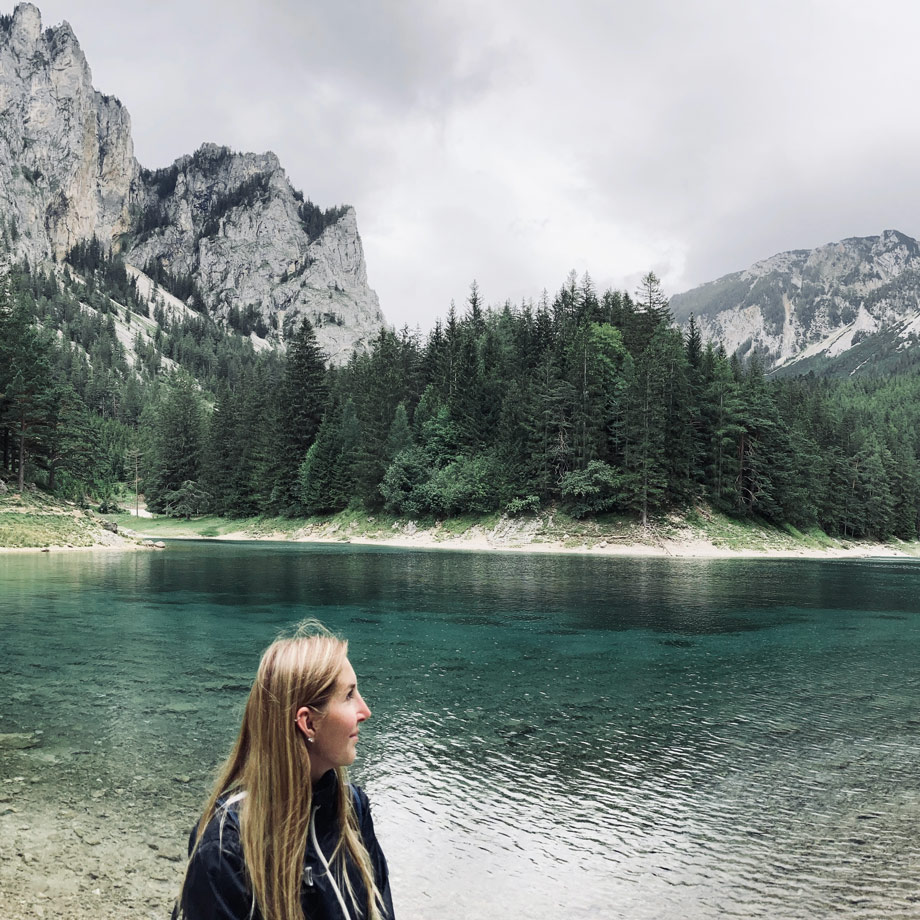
point(220, 454)
point(475, 316)
point(378, 383)
point(550, 448)
point(695, 386)
point(680, 412)
point(178, 439)
point(27, 385)
point(399, 437)
point(722, 416)
point(71, 444)
point(872, 501)
point(646, 458)
point(597, 368)
point(328, 476)
point(302, 399)
point(650, 314)
point(762, 447)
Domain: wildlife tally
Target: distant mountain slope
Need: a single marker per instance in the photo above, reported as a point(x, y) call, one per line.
point(227, 224)
point(817, 309)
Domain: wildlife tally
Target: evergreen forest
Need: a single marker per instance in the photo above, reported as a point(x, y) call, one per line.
point(592, 403)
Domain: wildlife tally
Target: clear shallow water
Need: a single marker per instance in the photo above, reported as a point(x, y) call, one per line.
point(552, 736)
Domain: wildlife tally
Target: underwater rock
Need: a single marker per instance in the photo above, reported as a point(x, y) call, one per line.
point(18, 741)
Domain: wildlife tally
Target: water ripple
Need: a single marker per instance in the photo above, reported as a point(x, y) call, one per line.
point(574, 737)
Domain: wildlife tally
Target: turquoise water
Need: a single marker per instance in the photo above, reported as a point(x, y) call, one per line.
point(552, 736)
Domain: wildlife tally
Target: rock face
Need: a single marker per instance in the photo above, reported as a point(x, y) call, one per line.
point(227, 224)
point(261, 256)
point(66, 156)
point(815, 305)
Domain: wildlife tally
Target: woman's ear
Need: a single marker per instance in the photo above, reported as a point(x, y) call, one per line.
point(303, 719)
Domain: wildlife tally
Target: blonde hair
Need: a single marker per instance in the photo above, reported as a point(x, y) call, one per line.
point(270, 764)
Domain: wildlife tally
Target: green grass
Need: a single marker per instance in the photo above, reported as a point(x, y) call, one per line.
point(819, 539)
point(37, 520)
point(912, 549)
point(164, 527)
point(354, 523)
point(694, 518)
point(550, 526)
point(746, 534)
point(40, 530)
point(754, 534)
point(457, 526)
point(157, 526)
point(606, 528)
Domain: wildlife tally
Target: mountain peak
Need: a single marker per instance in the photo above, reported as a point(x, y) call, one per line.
point(27, 24)
point(228, 225)
point(26, 37)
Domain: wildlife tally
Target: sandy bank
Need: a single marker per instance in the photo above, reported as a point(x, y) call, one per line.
point(689, 549)
point(521, 538)
point(698, 533)
point(106, 541)
point(125, 545)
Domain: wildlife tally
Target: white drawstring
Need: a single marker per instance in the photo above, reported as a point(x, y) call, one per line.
point(323, 860)
point(224, 809)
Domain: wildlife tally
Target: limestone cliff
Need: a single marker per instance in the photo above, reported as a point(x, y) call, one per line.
point(66, 157)
point(254, 248)
point(229, 224)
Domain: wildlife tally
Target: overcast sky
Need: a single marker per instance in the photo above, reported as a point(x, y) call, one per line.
point(511, 142)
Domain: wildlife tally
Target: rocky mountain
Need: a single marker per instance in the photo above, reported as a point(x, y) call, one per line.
point(227, 229)
point(259, 254)
point(837, 308)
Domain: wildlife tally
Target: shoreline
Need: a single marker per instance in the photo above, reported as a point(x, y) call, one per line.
point(698, 533)
point(128, 545)
point(482, 542)
point(665, 550)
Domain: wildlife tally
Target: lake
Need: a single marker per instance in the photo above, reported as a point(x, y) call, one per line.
point(551, 735)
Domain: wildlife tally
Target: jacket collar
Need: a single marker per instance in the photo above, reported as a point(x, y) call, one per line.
point(324, 791)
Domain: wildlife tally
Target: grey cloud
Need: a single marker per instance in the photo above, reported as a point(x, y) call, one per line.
point(511, 142)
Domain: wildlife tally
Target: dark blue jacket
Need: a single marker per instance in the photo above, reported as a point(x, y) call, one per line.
point(216, 889)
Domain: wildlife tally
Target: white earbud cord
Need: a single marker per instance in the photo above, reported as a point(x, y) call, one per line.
point(324, 861)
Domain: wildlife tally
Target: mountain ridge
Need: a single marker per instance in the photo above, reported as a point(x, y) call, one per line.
point(806, 308)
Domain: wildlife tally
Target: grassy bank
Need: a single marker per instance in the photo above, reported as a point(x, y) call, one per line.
point(34, 520)
point(699, 531)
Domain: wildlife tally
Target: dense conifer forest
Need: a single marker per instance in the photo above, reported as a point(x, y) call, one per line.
point(592, 403)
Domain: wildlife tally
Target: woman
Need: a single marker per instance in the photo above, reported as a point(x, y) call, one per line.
point(284, 836)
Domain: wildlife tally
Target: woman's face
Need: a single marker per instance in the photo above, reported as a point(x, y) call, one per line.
point(335, 731)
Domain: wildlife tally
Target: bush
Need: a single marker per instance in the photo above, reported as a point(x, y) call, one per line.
point(527, 504)
point(403, 483)
point(187, 500)
point(593, 490)
point(467, 485)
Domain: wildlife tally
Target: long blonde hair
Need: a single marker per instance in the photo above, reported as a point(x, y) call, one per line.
point(270, 763)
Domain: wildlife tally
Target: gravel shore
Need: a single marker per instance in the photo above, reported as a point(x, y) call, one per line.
point(74, 846)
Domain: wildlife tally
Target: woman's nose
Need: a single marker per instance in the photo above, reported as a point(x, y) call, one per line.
point(364, 712)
